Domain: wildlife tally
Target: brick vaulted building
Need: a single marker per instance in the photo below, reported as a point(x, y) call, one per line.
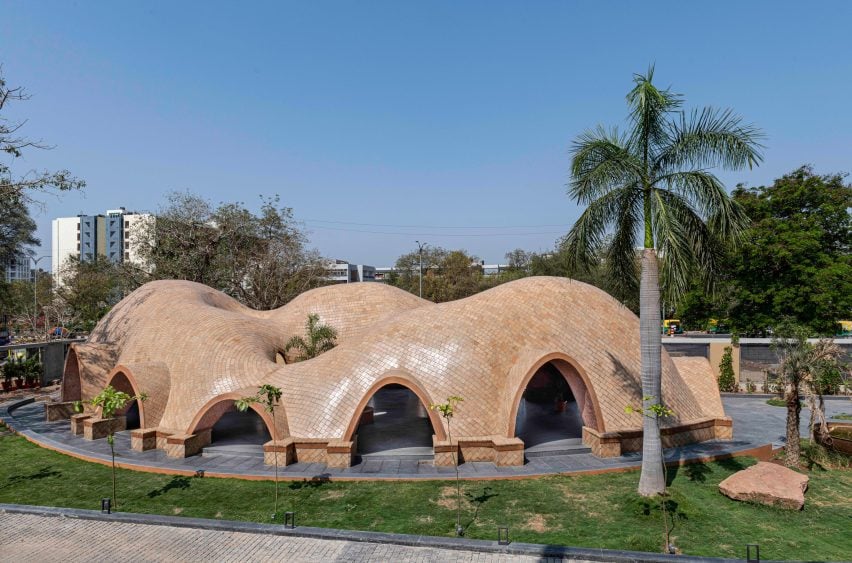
point(538, 354)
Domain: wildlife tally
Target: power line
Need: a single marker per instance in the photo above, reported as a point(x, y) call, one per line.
point(411, 234)
point(432, 226)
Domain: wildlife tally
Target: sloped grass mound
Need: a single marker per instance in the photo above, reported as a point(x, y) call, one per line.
point(600, 511)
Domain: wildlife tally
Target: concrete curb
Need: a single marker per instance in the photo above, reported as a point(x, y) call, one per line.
point(775, 396)
point(482, 546)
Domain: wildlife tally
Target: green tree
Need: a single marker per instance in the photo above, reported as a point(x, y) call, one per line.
point(727, 378)
point(89, 289)
point(796, 263)
point(318, 338)
point(17, 230)
point(110, 401)
point(262, 260)
point(655, 182)
point(447, 274)
point(270, 397)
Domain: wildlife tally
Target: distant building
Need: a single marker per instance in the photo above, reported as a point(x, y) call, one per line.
point(341, 271)
point(383, 273)
point(110, 235)
point(17, 268)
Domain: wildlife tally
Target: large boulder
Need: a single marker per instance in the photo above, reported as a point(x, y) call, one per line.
point(767, 483)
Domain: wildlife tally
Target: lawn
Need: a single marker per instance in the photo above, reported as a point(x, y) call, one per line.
point(591, 511)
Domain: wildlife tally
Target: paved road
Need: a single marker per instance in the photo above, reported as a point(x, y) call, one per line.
point(33, 538)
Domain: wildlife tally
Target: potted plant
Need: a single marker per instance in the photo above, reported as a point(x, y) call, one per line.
point(7, 379)
point(32, 372)
point(13, 373)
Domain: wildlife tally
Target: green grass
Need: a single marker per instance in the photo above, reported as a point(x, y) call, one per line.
point(776, 402)
point(843, 416)
point(592, 511)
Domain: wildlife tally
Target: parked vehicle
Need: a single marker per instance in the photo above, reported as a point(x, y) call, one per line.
point(671, 326)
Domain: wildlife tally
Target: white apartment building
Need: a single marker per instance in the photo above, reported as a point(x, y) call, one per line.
point(112, 235)
point(17, 268)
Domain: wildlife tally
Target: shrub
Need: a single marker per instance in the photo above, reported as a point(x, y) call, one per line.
point(727, 379)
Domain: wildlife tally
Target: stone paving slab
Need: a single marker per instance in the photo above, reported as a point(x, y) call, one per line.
point(28, 537)
point(755, 424)
point(68, 534)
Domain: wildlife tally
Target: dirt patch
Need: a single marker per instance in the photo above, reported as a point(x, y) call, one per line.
point(447, 499)
point(177, 510)
point(333, 495)
point(218, 515)
point(425, 519)
point(536, 523)
point(571, 494)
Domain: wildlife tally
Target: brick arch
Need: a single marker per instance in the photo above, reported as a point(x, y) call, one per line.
point(122, 379)
point(71, 384)
point(578, 381)
point(400, 378)
point(216, 407)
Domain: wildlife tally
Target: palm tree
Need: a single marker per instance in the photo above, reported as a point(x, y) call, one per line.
point(802, 365)
point(320, 338)
point(654, 183)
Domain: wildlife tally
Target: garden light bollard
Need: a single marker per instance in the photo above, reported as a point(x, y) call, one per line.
point(290, 520)
point(756, 558)
point(503, 535)
point(106, 506)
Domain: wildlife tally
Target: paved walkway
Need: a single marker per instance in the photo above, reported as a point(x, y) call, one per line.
point(755, 424)
point(34, 538)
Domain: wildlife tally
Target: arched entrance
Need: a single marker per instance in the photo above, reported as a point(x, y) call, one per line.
point(553, 407)
point(71, 377)
point(234, 433)
point(133, 411)
point(395, 424)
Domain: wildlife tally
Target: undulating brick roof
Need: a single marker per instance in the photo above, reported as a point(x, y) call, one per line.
point(193, 349)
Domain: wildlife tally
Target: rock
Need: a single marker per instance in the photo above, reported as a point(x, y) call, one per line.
point(767, 483)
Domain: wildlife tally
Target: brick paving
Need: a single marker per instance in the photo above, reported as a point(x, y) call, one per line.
point(34, 538)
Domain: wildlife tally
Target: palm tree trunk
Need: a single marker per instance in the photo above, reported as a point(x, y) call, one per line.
point(791, 449)
point(652, 481)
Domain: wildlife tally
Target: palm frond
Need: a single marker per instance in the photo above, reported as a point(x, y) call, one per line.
point(586, 237)
point(297, 343)
point(649, 109)
point(708, 138)
point(600, 159)
point(673, 246)
point(621, 265)
point(687, 245)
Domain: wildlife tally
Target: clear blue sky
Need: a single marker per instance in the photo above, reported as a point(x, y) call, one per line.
point(439, 114)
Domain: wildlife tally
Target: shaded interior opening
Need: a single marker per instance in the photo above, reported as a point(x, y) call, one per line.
point(395, 424)
point(548, 414)
point(132, 415)
point(238, 434)
point(71, 389)
point(131, 411)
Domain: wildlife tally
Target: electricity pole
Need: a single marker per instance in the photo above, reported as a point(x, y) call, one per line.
point(420, 248)
point(35, 290)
